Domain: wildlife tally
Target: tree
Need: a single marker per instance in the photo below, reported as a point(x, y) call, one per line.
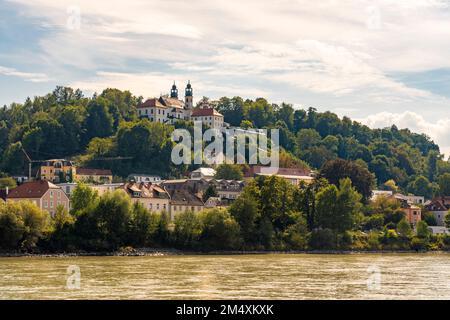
point(361, 178)
point(22, 225)
point(421, 186)
point(229, 172)
point(219, 230)
point(188, 229)
point(209, 192)
point(336, 209)
point(422, 230)
point(246, 212)
point(99, 122)
point(447, 220)
point(143, 225)
point(7, 182)
point(444, 184)
point(82, 197)
point(404, 228)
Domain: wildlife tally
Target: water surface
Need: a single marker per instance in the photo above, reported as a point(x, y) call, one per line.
point(269, 276)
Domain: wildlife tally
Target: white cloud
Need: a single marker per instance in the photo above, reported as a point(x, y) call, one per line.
point(439, 131)
point(27, 76)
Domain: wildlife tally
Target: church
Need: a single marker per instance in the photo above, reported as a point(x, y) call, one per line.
point(169, 109)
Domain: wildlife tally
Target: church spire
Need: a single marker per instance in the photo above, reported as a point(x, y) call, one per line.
point(188, 96)
point(174, 91)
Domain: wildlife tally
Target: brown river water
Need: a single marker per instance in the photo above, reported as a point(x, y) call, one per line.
point(264, 276)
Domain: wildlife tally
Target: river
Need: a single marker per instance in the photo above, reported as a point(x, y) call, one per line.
point(265, 276)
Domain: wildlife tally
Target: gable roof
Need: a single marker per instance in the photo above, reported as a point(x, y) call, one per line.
point(199, 112)
point(31, 190)
point(184, 197)
point(146, 190)
point(152, 102)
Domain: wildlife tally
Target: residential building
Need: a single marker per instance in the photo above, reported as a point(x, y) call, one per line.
point(44, 194)
point(209, 117)
point(438, 230)
point(381, 193)
point(94, 175)
point(151, 196)
point(228, 189)
point(182, 200)
point(439, 207)
point(139, 177)
point(57, 170)
point(68, 187)
point(415, 199)
point(413, 213)
point(293, 175)
point(203, 173)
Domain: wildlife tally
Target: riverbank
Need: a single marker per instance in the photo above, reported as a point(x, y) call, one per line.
point(141, 252)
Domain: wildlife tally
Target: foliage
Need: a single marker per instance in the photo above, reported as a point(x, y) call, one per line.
point(229, 172)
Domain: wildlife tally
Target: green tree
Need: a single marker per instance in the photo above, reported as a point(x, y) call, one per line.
point(229, 172)
point(188, 229)
point(444, 184)
point(422, 230)
point(209, 192)
point(219, 230)
point(361, 178)
point(404, 228)
point(82, 198)
point(421, 186)
point(7, 182)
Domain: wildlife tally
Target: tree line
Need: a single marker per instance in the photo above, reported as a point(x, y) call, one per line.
point(67, 124)
point(270, 214)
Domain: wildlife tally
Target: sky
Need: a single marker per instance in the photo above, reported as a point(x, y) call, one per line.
point(379, 62)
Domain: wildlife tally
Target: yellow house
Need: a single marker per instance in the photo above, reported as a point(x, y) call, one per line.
point(57, 170)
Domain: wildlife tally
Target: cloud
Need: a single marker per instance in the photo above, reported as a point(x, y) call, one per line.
point(439, 131)
point(27, 76)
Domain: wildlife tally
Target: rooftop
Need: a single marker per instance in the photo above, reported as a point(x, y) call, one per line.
point(31, 190)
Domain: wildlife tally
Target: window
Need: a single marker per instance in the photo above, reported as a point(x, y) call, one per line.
point(51, 194)
point(51, 204)
point(157, 206)
point(45, 204)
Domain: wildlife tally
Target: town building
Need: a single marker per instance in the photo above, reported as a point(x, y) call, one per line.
point(439, 207)
point(68, 187)
point(413, 213)
point(228, 189)
point(153, 197)
point(182, 200)
point(139, 177)
point(203, 173)
point(209, 117)
point(94, 175)
point(101, 189)
point(44, 194)
point(381, 193)
point(292, 175)
point(57, 170)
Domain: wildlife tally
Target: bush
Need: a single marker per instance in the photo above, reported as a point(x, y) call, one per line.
point(219, 230)
point(419, 244)
point(322, 239)
point(295, 236)
point(374, 222)
point(22, 225)
point(187, 230)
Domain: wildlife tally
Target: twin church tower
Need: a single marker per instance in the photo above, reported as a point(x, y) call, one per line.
point(188, 95)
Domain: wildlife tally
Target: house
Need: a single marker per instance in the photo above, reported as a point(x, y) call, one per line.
point(44, 194)
point(380, 193)
point(227, 189)
point(209, 117)
point(203, 173)
point(151, 196)
point(293, 175)
point(94, 175)
point(57, 170)
point(68, 187)
point(138, 177)
point(438, 230)
point(182, 200)
point(439, 207)
point(413, 213)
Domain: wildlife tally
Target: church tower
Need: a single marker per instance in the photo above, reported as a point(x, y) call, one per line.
point(174, 91)
point(188, 96)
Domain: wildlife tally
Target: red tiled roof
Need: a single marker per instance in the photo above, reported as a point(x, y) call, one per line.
point(198, 112)
point(93, 172)
point(153, 102)
point(31, 190)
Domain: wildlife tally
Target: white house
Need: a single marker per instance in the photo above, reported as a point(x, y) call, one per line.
point(203, 173)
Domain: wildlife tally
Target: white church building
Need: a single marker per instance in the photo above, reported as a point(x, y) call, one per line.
point(169, 109)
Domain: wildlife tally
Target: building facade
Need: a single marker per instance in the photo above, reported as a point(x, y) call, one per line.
point(44, 194)
point(57, 170)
